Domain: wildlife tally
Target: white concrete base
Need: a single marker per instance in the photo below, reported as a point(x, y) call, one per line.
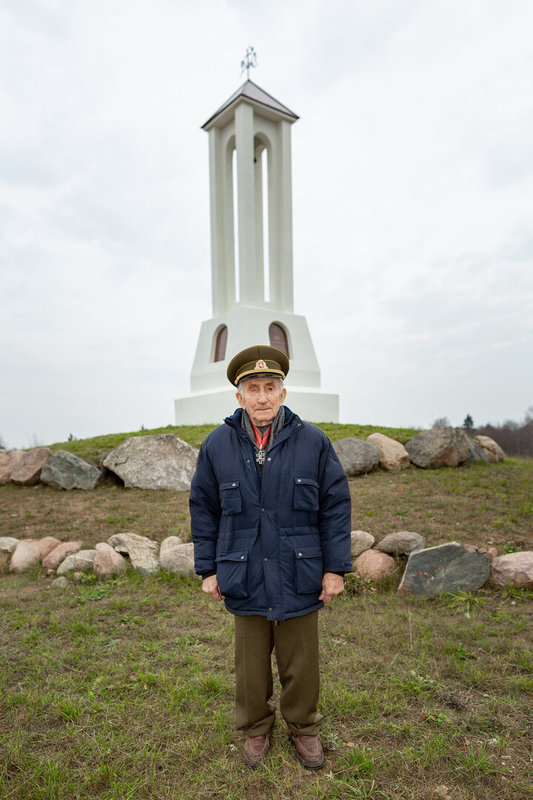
point(201, 408)
point(247, 326)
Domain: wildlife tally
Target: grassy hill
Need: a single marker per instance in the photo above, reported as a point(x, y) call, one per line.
point(94, 448)
point(124, 688)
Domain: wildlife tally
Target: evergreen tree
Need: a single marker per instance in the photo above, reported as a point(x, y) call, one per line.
point(468, 424)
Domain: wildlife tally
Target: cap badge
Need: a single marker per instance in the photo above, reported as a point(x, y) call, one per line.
point(260, 365)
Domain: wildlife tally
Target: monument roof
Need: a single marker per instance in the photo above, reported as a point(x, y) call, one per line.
point(251, 91)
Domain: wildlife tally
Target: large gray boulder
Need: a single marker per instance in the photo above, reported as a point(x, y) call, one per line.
point(64, 470)
point(392, 454)
point(439, 447)
point(141, 551)
point(28, 470)
point(356, 456)
point(445, 568)
point(515, 569)
point(154, 462)
point(491, 448)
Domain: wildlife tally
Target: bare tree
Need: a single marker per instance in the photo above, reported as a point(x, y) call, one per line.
point(515, 438)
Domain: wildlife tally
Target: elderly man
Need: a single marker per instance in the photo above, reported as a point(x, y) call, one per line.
point(270, 518)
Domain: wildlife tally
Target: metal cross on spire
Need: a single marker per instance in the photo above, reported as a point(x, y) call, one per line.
point(249, 61)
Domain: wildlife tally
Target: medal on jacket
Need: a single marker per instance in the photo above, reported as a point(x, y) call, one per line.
point(260, 440)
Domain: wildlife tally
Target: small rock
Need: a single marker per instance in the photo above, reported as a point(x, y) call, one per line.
point(401, 543)
point(9, 462)
point(47, 544)
point(142, 552)
point(7, 546)
point(374, 565)
point(392, 454)
point(107, 561)
point(59, 583)
point(169, 543)
point(8, 543)
point(445, 568)
point(28, 470)
point(82, 561)
point(66, 471)
point(178, 559)
point(492, 449)
point(492, 552)
point(356, 456)
point(26, 555)
point(515, 569)
point(59, 553)
point(361, 541)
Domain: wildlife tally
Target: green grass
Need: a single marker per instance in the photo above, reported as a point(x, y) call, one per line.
point(129, 693)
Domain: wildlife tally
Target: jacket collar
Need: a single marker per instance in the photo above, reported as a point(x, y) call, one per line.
point(292, 424)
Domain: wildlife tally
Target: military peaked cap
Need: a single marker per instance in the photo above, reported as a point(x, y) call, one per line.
point(259, 361)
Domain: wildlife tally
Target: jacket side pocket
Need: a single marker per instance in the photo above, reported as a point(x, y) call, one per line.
point(232, 574)
point(308, 570)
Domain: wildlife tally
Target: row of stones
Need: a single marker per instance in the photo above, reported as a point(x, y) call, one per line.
point(105, 559)
point(166, 462)
point(439, 447)
point(429, 571)
point(145, 462)
point(449, 567)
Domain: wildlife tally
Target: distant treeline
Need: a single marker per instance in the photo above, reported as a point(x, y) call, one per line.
point(516, 438)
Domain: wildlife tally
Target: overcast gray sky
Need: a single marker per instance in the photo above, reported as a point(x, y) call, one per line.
point(412, 202)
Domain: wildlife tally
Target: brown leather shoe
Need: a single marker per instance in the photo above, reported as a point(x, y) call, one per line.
point(255, 749)
point(308, 750)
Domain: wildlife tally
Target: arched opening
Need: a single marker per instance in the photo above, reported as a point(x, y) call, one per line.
point(220, 344)
point(278, 337)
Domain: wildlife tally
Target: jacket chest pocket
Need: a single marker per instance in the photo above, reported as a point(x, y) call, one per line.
point(305, 494)
point(230, 497)
point(308, 569)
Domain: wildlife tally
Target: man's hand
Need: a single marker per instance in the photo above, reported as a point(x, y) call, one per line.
point(210, 586)
point(332, 585)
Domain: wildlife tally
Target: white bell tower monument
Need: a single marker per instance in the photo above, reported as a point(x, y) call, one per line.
point(251, 254)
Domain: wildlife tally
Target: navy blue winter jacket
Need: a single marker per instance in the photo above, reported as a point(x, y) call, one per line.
point(270, 540)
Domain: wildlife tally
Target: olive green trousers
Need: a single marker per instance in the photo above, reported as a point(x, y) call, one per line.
point(295, 644)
